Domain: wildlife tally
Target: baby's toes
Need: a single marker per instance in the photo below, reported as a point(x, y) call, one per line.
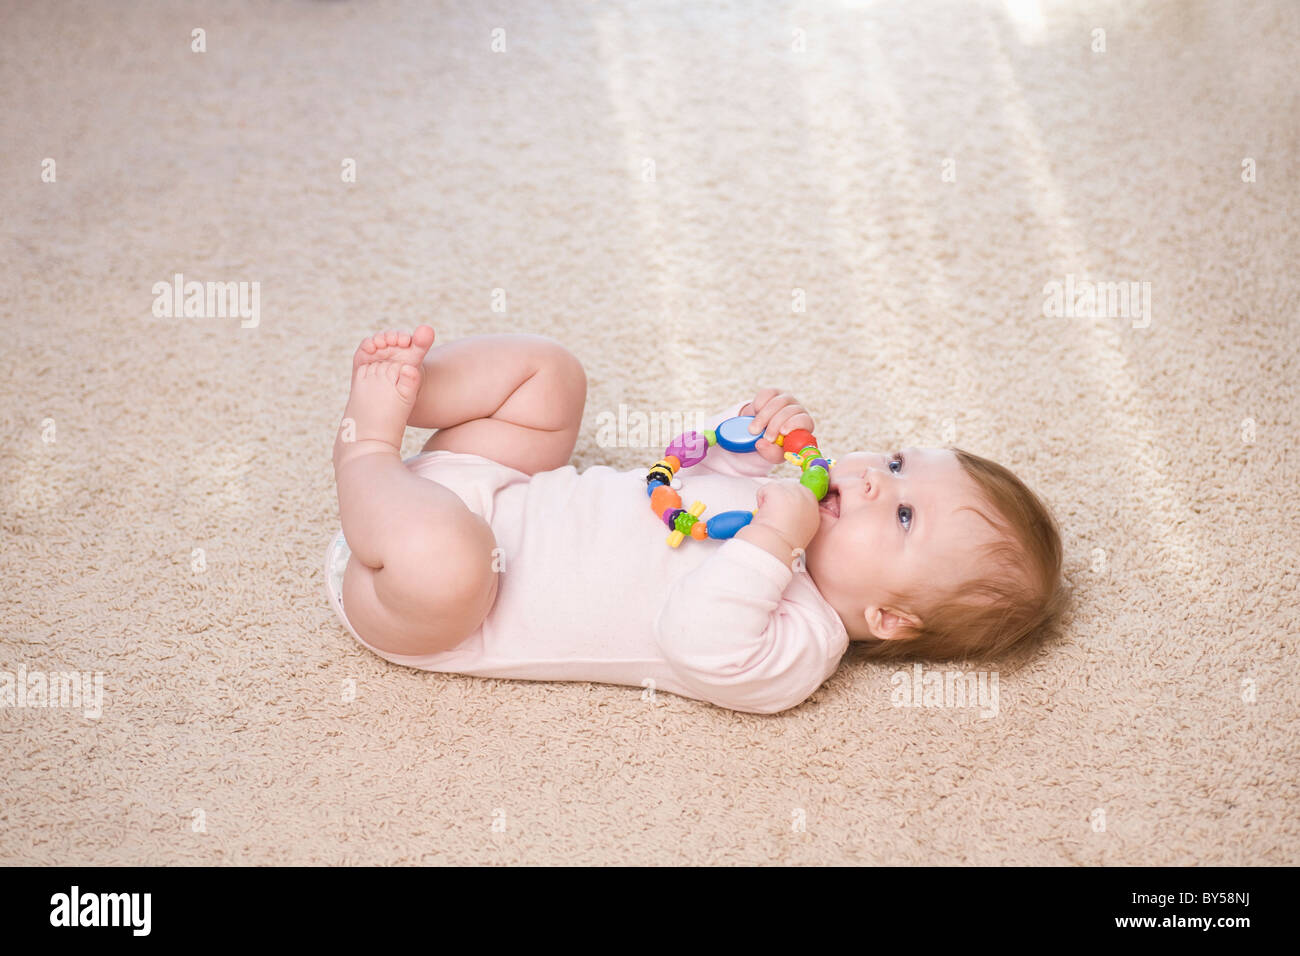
point(367, 353)
point(407, 382)
point(422, 338)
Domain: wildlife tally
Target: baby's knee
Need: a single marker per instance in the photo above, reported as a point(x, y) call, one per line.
point(569, 366)
point(566, 378)
point(444, 569)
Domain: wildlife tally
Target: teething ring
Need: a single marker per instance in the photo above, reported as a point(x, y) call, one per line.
point(690, 448)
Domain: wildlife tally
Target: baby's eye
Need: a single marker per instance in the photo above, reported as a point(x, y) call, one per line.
point(905, 516)
point(896, 459)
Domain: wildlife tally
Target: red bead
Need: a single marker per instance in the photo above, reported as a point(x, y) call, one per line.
point(797, 439)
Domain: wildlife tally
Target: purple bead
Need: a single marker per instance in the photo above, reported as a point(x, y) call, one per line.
point(670, 515)
point(689, 448)
point(821, 461)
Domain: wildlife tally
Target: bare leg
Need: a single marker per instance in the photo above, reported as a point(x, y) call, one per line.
point(420, 578)
point(514, 398)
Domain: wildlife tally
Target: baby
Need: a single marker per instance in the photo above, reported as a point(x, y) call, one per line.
point(488, 554)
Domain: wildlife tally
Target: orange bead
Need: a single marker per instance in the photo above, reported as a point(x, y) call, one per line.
point(664, 497)
point(674, 463)
point(797, 438)
point(698, 531)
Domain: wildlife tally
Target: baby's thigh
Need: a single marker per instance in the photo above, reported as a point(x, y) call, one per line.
point(437, 585)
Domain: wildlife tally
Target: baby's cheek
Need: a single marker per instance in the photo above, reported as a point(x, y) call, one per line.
point(851, 558)
point(866, 552)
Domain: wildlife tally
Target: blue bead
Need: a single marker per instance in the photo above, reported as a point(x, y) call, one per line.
point(733, 434)
point(725, 524)
point(650, 488)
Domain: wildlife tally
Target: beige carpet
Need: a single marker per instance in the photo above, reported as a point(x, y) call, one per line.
point(167, 490)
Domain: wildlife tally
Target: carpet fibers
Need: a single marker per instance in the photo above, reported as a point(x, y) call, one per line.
point(874, 205)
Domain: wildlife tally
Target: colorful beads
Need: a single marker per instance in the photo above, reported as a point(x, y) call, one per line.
point(797, 439)
point(733, 434)
point(816, 480)
point(660, 471)
point(690, 448)
point(727, 523)
point(804, 459)
point(684, 522)
point(664, 497)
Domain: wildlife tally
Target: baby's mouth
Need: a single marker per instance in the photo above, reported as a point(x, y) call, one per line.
point(830, 504)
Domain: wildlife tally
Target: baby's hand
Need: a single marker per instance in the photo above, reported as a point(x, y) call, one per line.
point(789, 509)
point(775, 413)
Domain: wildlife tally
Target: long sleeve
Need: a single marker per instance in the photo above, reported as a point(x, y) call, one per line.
point(719, 461)
point(732, 640)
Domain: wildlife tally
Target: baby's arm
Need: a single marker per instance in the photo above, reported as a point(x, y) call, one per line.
point(732, 640)
point(784, 521)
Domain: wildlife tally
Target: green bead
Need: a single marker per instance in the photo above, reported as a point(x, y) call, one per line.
point(816, 480)
point(684, 521)
point(711, 436)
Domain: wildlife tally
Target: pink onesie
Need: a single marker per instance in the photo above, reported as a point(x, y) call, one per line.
point(590, 591)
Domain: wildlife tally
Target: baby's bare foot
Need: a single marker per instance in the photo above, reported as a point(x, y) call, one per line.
point(378, 408)
point(408, 349)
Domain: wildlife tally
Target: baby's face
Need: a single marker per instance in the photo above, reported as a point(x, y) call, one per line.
point(893, 522)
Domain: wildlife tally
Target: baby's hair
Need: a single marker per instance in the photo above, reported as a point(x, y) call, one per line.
point(1016, 603)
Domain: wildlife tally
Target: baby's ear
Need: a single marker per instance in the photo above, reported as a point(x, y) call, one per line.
point(889, 624)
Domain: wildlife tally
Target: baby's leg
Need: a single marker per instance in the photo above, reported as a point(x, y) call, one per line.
point(420, 578)
point(515, 398)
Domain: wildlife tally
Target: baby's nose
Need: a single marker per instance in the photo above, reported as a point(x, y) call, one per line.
point(871, 480)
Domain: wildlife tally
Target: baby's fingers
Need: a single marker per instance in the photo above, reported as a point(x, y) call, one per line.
point(768, 451)
point(786, 421)
point(764, 396)
point(763, 414)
